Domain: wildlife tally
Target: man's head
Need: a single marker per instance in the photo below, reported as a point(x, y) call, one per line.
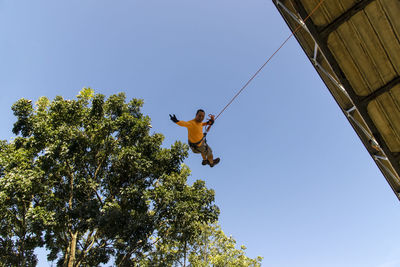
point(200, 114)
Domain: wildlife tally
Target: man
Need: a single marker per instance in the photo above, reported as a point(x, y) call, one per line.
point(197, 140)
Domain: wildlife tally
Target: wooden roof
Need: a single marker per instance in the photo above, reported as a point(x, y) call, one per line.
point(355, 48)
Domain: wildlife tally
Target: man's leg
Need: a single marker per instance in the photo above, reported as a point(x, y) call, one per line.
point(205, 153)
point(198, 150)
point(205, 161)
point(210, 158)
point(208, 153)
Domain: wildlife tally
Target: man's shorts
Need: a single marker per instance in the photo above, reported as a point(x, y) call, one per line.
point(203, 148)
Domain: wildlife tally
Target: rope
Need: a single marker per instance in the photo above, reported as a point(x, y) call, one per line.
point(259, 70)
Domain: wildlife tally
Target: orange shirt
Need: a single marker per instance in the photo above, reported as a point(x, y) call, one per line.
point(195, 129)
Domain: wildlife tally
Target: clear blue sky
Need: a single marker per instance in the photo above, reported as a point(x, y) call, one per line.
point(295, 184)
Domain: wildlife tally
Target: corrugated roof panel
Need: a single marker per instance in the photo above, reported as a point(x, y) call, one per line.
point(364, 49)
point(346, 58)
point(387, 28)
point(392, 10)
point(380, 59)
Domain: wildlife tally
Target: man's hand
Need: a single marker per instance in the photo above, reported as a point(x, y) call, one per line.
point(211, 120)
point(173, 118)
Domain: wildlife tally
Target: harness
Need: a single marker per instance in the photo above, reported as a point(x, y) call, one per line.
point(195, 146)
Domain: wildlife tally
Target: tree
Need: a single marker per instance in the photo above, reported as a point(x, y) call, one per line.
point(20, 228)
point(214, 248)
point(182, 228)
point(101, 185)
point(209, 247)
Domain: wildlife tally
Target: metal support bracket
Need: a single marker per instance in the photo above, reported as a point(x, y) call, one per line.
point(376, 157)
point(394, 177)
point(295, 17)
point(351, 109)
point(315, 52)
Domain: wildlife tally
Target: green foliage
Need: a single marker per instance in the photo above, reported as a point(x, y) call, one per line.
point(20, 228)
point(89, 174)
point(208, 247)
point(180, 220)
point(88, 180)
point(214, 248)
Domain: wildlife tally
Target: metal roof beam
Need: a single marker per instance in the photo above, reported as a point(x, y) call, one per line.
point(386, 88)
point(331, 27)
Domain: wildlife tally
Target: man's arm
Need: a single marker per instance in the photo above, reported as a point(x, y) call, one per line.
point(183, 123)
point(210, 121)
point(180, 123)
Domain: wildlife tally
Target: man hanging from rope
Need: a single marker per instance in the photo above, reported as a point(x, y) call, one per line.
point(197, 140)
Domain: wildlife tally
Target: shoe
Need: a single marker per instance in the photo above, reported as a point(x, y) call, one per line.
point(205, 162)
point(215, 162)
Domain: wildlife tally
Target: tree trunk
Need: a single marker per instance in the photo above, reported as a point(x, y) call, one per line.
point(72, 243)
point(21, 248)
point(72, 250)
point(184, 255)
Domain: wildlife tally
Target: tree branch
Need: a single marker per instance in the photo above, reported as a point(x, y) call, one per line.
point(86, 248)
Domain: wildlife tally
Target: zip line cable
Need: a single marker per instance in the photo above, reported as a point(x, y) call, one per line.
point(276, 51)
